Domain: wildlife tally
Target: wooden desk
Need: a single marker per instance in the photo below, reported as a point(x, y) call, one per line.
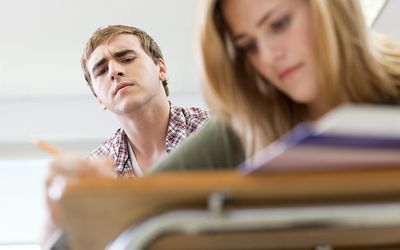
point(98, 210)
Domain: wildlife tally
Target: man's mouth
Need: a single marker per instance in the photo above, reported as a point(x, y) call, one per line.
point(121, 86)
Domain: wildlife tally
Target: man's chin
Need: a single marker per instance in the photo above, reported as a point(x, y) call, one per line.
point(127, 108)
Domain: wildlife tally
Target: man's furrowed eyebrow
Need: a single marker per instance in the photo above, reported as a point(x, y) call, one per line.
point(124, 52)
point(116, 54)
point(98, 64)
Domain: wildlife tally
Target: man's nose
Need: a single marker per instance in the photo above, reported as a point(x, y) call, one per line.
point(115, 71)
point(116, 75)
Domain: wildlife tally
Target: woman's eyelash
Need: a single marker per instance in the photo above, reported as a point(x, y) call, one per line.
point(281, 23)
point(250, 47)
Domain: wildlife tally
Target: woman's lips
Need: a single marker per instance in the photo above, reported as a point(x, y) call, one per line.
point(289, 71)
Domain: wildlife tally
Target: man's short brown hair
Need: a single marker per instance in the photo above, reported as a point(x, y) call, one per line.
point(102, 35)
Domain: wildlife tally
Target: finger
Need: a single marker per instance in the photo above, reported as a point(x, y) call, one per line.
point(70, 167)
point(103, 166)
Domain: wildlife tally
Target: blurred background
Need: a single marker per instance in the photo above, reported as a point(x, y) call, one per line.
point(42, 90)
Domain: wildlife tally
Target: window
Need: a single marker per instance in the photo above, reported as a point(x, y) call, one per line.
point(22, 203)
point(372, 9)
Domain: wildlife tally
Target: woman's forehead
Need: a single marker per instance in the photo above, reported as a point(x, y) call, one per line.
point(243, 14)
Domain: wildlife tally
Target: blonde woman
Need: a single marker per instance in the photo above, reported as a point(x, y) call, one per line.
point(270, 64)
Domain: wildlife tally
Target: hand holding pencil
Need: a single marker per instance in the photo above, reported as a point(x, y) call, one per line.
point(63, 170)
point(73, 167)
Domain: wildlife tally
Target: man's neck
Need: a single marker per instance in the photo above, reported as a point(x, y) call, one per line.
point(146, 129)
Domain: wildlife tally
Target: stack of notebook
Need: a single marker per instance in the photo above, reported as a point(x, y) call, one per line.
point(350, 136)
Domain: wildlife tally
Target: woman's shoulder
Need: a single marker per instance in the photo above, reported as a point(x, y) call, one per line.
point(213, 146)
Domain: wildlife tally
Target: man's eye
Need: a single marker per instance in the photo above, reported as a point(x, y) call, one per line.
point(128, 59)
point(281, 24)
point(101, 72)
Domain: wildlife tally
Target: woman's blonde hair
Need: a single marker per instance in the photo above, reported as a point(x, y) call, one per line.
point(362, 66)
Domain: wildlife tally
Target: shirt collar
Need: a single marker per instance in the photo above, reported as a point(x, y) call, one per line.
point(176, 131)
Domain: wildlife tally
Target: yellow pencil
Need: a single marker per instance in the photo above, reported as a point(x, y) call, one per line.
point(48, 148)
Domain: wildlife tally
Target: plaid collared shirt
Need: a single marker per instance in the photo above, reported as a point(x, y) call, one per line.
point(182, 122)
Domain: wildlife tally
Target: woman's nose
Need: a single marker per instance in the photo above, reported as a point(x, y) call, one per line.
point(270, 53)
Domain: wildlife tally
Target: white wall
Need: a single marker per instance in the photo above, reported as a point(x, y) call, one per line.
point(42, 90)
point(388, 21)
point(73, 124)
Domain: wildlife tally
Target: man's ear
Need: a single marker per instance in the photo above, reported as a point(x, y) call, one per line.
point(162, 69)
point(103, 107)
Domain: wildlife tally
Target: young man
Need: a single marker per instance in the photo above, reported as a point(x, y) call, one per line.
point(125, 69)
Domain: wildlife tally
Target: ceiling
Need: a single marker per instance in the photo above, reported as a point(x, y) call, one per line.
point(42, 41)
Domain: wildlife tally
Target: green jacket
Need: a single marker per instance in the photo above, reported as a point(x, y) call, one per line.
point(215, 146)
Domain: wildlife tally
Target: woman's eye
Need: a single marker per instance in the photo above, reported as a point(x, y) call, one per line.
point(281, 24)
point(250, 47)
